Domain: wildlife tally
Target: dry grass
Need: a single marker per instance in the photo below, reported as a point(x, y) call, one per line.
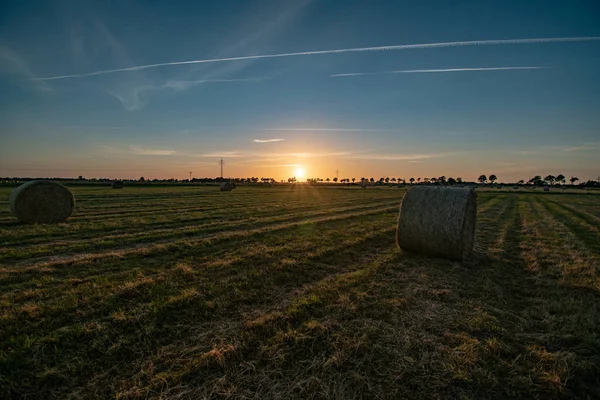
point(297, 293)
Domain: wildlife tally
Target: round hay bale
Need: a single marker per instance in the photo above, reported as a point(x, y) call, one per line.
point(438, 221)
point(226, 187)
point(42, 202)
point(117, 185)
point(546, 188)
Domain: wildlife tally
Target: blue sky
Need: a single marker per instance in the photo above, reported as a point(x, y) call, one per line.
point(503, 104)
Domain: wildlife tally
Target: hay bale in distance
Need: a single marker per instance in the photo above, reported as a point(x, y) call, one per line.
point(438, 221)
point(117, 185)
point(42, 202)
point(546, 188)
point(516, 187)
point(227, 186)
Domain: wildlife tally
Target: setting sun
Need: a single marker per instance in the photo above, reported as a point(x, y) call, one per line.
point(299, 173)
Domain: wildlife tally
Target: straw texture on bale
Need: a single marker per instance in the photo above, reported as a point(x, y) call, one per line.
point(438, 221)
point(42, 202)
point(117, 185)
point(227, 186)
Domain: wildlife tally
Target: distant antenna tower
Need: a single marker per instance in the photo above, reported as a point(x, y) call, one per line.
point(190, 176)
point(222, 162)
point(337, 173)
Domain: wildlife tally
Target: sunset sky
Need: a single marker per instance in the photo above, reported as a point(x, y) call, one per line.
point(124, 89)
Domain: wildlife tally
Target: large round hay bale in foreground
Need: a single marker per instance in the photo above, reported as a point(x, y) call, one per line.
point(117, 185)
point(42, 202)
point(438, 221)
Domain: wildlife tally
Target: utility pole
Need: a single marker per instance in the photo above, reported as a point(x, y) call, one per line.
point(337, 173)
point(190, 176)
point(221, 162)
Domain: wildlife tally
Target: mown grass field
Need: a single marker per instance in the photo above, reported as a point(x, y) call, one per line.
point(297, 293)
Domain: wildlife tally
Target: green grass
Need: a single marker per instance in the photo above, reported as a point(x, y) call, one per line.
point(297, 293)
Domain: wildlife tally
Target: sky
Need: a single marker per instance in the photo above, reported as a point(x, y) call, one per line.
point(277, 88)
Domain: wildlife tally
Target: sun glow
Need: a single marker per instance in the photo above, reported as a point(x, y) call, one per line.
point(299, 173)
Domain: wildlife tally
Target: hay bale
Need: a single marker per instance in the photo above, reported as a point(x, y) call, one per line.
point(227, 186)
point(546, 188)
point(438, 221)
point(516, 187)
point(117, 185)
point(42, 202)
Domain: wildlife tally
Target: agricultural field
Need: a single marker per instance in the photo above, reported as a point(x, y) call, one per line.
point(297, 292)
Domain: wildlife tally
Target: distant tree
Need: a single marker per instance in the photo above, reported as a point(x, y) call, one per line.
point(327, 180)
point(433, 180)
point(521, 182)
point(459, 180)
point(393, 179)
point(482, 178)
point(387, 179)
point(550, 179)
point(536, 180)
point(142, 179)
point(411, 180)
point(493, 178)
point(451, 181)
point(442, 179)
point(81, 178)
point(573, 180)
point(353, 179)
point(372, 180)
point(419, 180)
point(426, 180)
point(560, 178)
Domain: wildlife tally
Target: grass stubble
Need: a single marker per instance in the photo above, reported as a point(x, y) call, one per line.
point(297, 293)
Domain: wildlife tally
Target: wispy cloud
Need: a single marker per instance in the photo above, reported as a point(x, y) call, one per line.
point(396, 157)
point(182, 85)
point(582, 147)
point(329, 130)
point(137, 150)
point(222, 154)
point(428, 71)
point(16, 64)
point(335, 51)
point(267, 140)
point(132, 98)
point(151, 152)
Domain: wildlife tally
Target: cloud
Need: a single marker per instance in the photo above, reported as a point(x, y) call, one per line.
point(183, 85)
point(17, 64)
point(267, 140)
point(132, 98)
point(335, 51)
point(587, 146)
point(397, 157)
point(222, 154)
point(329, 129)
point(150, 152)
point(427, 71)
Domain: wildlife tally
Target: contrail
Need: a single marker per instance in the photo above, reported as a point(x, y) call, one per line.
point(426, 71)
point(338, 51)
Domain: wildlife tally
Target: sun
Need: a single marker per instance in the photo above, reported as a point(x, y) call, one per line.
point(299, 173)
